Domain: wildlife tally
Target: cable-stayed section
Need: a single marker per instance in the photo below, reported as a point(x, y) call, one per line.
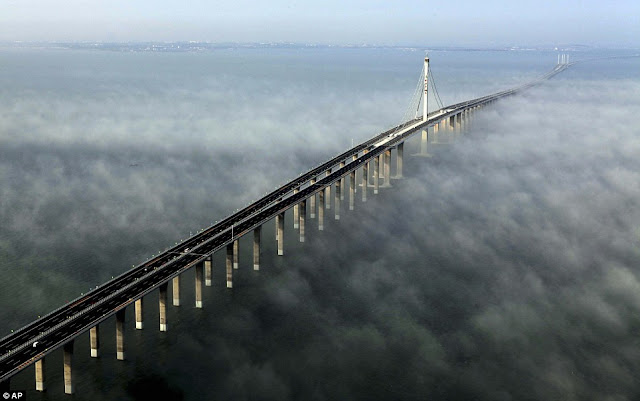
point(414, 102)
point(417, 99)
point(435, 89)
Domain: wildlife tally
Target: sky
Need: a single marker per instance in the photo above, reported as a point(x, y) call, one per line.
point(459, 23)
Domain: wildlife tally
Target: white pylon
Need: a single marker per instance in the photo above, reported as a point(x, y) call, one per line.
point(425, 98)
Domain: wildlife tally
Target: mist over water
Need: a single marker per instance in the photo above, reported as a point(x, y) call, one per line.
point(504, 267)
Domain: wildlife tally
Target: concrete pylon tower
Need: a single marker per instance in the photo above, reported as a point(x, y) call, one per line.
point(425, 98)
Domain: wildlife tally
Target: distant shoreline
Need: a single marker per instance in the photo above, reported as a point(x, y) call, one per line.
point(195, 46)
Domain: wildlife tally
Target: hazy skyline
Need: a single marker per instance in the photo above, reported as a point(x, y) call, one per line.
point(409, 22)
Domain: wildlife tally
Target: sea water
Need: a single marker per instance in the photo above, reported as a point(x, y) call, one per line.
point(503, 267)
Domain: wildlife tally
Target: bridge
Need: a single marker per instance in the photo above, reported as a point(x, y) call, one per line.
point(369, 161)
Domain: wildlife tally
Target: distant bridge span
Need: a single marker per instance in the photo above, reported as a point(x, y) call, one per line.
point(31, 343)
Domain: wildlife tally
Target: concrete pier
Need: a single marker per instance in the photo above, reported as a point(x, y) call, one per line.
point(354, 157)
point(365, 180)
point(386, 157)
point(40, 386)
point(399, 160)
point(458, 124)
point(257, 233)
point(424, 142)
point(452, 128)
point(120, 335)
point(67, 359)
point(229, 265)
point(175, 287)
point(198, 292)
point(280, 225)
point(376, 174)
point(296, 211)
point(312, 202)
point(337, 201)
point(321, 210)
point(208, 270)
point(94, 339)
point(424, 145)
point(138, 308)
point(369, 167)
point(463, 120)
point(236, 255)
point(302, 217)
point(352, 190)
point(327, 192)
point(162, 306)
point(436, 128)
point(341, 182)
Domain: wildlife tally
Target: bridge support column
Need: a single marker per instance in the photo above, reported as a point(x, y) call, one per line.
point(207, 270)
point(386, 157)
point(94, 339)
point(353, 159)
point(302, 217)
point(296, 211)
point(40, 386)
point(67, 357)
point(312, 202)
point(463, 120)
point(138, 308)
point(229, 265)
point(162, 306)
point(424, 142)
point(376, 174)
point(280, 225)
point(341, 182)
point(444, 129)
point(327, 189)
point(337, 203)
point(321, 209)
point(399, 159)
point(257, 232)
point(120, 335)
point(198, 291)
point(458, 124)
point(452, 128)
point(436, 128)
point(175, 287)
point(236, 254)
point(352, 189)
point(365, 180)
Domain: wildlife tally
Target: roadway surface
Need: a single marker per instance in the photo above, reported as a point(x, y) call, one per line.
point(65, 323)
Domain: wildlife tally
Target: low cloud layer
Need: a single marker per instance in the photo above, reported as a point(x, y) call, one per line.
point(502, 268)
